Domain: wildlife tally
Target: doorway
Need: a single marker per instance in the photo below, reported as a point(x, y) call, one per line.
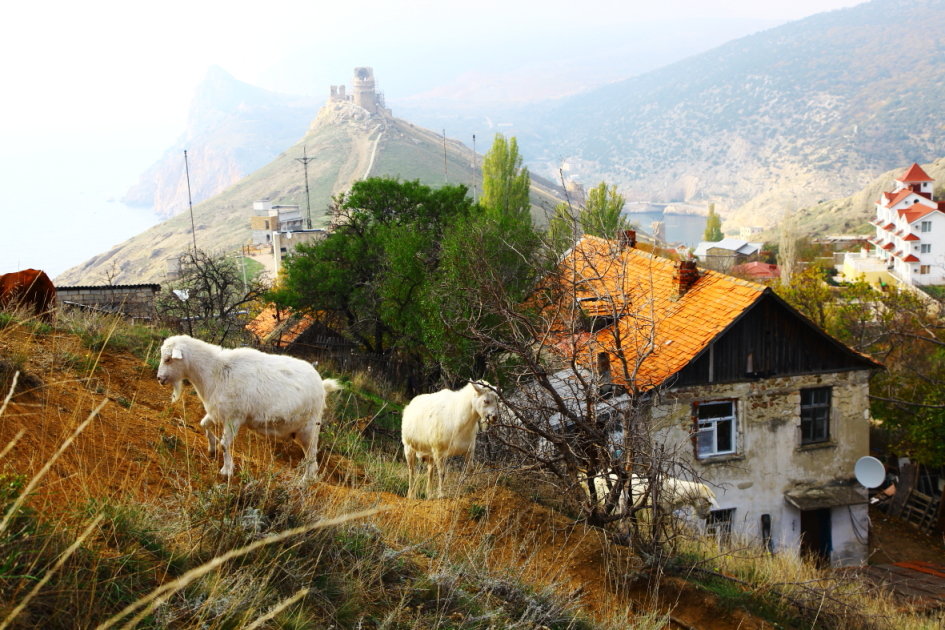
point(815, 535)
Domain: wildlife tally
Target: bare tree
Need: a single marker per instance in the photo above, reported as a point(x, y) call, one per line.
point(210, 298)
point(576, 401)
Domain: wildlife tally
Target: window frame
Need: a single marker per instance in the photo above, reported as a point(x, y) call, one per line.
point(718, 524)
point(710, 426)
point(814, 413)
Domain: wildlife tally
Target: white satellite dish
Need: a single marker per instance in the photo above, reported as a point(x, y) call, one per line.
point(869, 471)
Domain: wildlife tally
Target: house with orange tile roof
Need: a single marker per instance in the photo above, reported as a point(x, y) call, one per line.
point(910, 230)
point(763, 405)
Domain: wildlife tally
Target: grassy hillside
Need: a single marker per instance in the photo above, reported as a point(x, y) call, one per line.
point(112, 504)
point(347, 145)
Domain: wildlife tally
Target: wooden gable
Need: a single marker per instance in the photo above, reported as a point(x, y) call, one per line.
point(770, 339)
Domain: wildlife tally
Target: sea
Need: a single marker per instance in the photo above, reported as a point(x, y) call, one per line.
point(687, 229)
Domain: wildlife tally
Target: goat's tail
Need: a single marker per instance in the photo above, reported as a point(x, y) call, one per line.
point(332, 385)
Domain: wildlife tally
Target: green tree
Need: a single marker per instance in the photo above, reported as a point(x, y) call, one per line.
point(371, 274)
point(602, 214)
point(505, 182)
point(713, 226)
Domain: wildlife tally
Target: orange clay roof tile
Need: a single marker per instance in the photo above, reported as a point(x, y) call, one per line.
point(662, 330)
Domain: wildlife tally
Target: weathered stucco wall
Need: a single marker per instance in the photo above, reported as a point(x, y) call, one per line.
point(769, 459)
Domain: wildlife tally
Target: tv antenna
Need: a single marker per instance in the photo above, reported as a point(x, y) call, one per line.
point(308, 202)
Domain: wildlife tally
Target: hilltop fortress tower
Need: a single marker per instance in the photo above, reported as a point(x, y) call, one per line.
point(363, 93)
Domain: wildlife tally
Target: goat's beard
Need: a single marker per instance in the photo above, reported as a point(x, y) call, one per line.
point(178, 390)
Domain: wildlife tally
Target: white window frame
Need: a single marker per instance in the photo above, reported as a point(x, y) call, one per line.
point(716, 422)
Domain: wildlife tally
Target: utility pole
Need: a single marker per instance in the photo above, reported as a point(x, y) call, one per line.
point(475, 172)
point(308, 202)
point(446, 179)
point(190, 203)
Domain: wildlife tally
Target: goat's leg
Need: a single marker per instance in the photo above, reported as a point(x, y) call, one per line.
point(308, 437)
point(411, 457)
point(207, 424)
point(229, 434)
point(440, 462)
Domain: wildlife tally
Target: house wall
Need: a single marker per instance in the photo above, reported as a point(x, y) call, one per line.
point(770, 459)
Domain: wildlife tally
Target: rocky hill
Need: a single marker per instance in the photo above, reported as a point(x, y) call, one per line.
point(808, 111)
point(233, 129)
point(347, 144)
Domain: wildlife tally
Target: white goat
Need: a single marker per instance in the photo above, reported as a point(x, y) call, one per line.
point(436, 426)
point(673, 493)
point(272, 394)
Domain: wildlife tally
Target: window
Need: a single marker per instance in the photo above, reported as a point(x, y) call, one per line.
point(815, 415)
point(925, 248)
point(715, 431)
point(924, 269)
point(719, 524)
point(926, 226)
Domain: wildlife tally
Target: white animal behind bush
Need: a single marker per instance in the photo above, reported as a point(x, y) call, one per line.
point(439, 425)
point(674, 493)
point(275, 395)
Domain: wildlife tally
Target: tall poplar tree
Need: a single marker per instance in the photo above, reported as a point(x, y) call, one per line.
point(505, 182)
point(713, 226)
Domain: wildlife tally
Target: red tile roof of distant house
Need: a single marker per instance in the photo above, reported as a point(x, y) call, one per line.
point(910, 258)
point(915, 213)
point(888, 246)
point(911, 237)
point(758, 271)
point(915, 174)
point(899, 196)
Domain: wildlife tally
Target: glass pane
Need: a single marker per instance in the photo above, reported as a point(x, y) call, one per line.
point(725, 438)
point(705, 442)
point(714, 410)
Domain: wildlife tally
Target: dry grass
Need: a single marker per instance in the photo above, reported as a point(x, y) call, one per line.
point(114, 517)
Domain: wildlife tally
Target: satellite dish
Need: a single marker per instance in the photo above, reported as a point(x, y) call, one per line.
point(869, 471)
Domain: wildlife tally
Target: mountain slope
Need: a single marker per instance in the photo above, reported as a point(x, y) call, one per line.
point(781, 118)
point(233, 129)
point(347, 144)
point(851, 215)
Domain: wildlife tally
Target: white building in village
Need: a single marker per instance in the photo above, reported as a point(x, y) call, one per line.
point(910, 234)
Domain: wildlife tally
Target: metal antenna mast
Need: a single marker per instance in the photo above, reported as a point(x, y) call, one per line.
point(446, 179)
point(190, 203)
point(475, 175)
point(308, 202)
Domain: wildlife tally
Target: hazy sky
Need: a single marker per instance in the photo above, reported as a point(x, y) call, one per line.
point(93, 92)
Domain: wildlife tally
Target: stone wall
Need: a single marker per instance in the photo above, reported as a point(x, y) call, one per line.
point(133, 300)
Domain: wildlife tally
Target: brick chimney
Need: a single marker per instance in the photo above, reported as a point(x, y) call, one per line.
point(628, 239)
point(686, 276)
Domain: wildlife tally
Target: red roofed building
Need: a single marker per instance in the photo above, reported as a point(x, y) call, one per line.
point(765, 406)
point(910, 223)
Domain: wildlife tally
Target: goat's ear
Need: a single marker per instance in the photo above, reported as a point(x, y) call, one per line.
point(176, 354)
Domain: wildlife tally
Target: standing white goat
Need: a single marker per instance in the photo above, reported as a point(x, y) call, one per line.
point(436, 426)
point(673, 493)
point(272, 394)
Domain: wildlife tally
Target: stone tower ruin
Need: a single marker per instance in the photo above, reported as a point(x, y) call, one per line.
point(362, 88)
point(363, 93)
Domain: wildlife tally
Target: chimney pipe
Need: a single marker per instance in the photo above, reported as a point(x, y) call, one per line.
point(686, 276)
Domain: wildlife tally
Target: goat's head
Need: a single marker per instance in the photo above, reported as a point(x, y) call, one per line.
point(485, 402)
point(171, 369)
point(702, 500)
